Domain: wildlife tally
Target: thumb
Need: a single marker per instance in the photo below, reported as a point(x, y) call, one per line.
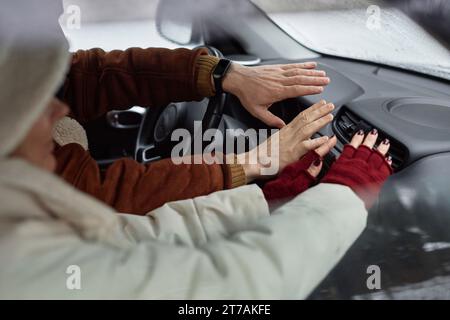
point(315, 168)
point(270, 119)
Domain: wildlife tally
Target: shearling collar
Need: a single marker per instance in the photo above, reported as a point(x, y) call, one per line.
point(23, 181)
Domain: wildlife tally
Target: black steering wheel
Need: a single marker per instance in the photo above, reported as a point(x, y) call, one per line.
point(154, 138)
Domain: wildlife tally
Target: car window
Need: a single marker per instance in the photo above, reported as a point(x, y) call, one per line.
point(112, 24)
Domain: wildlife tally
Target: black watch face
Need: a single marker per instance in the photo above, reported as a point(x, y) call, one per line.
point(222, 67)
point(219, 72)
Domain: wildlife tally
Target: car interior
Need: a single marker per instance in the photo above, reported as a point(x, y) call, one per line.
point(408, 230)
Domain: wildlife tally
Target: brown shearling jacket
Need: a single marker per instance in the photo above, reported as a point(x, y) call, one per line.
point(100, 81)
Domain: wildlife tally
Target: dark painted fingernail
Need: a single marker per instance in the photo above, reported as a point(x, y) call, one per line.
point(332, 136)
point(386, 141)
point(389, 158)
point(318, 162)
point(361, 132)
point(374, 131)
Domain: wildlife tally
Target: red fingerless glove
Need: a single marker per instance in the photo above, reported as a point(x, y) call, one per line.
point(364, 170)
point(293, 180)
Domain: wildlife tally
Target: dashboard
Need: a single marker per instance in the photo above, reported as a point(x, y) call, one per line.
point(408, 228)
point(412, 110)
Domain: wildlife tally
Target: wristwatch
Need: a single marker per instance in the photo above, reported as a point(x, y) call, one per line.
point(219, 73)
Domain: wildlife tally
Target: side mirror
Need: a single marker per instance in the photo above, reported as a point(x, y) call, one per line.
point(176, 21)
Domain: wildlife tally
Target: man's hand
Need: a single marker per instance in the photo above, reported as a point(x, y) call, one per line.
point(292, 142)
point(259, 87)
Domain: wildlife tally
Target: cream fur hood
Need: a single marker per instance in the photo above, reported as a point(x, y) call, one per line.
point(57, 243)
point(33, 61)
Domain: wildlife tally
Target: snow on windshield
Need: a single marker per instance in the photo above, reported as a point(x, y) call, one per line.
point(356, 29)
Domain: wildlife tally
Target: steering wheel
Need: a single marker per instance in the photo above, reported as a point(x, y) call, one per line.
point(154, 138)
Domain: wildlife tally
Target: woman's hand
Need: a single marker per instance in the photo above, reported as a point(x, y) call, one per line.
point(259, 87)
point(289, 144)
point(361, 167)
point(299, 176)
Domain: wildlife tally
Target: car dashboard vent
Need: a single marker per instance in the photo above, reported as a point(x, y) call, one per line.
point(347, 124)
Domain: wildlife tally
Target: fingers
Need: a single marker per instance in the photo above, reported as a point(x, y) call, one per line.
point(389, 160)
point(304, 65)
point(371, 139)
point(304, 72)
point(316, 106)
point(322, 151)
point(315, 126)
point(357, 139)
point(306, 81)
point(321, 146)
point(313, 144)
point(383, 147)
point(310, 115)
point(270, 119)
point(325, 148)
point(315, 168)
point(294, 91)
point(316, 111)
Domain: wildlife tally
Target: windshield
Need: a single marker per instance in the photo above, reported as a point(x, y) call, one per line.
point(358, 29)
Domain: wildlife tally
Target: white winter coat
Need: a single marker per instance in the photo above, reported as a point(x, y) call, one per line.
point(56, 242)
point(222, 246)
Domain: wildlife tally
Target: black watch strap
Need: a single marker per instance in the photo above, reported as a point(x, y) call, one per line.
point(219, 73)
